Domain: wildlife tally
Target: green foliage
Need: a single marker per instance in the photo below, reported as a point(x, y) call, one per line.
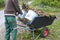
point(2, 3)
point(52, 3)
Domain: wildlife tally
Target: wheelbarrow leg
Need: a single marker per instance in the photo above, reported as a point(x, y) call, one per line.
point(32, 33)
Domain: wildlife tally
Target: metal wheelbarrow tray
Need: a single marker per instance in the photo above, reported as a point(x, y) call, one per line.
point(42, 21)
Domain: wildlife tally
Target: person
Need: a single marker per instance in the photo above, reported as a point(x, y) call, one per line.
point(11, 9)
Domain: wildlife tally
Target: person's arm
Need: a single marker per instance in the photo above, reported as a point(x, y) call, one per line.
point(16, 5)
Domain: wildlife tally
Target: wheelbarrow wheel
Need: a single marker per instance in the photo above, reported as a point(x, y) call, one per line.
point(44, 32)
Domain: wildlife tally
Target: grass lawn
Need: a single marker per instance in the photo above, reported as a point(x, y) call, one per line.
point(54, 31)
point(49, 9)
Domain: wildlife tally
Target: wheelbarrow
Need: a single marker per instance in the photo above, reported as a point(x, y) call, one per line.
point(38, 22)
point(41, 22)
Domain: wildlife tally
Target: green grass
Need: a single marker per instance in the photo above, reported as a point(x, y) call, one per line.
point(48, 8)
point(47, 5)
point(55, 30)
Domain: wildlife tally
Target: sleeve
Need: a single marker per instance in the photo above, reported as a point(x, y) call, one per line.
point(16, 5)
